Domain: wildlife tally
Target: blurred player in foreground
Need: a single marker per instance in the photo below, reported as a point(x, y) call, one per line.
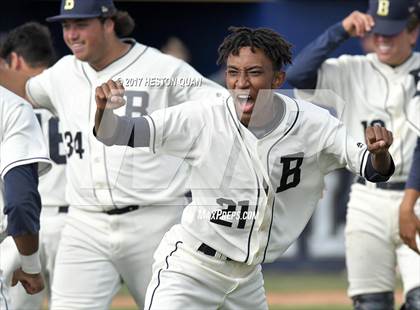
point(28, 49)
point(22, 156)
point(258, 161)
point(372, 90)
point(116, 220)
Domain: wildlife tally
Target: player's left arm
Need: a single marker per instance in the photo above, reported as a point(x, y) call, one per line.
point(380, 167)
point(23, 207)
point(339, 149)
point(409, 223)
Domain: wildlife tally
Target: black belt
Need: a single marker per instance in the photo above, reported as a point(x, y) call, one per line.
point(204, 248)
point(395, 186)
point(63, 209)
point(122, 210)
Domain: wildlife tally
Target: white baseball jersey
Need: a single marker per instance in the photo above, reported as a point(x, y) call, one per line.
point(392, 92)
point(102, 177)
point(52, 186)
point(232, 210)
point(21, 140)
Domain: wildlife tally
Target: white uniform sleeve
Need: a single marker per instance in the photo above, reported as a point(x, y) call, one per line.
point(181, 131)
point(332, 82)
point(39, 90)
point(340, 150)
point(22, 139)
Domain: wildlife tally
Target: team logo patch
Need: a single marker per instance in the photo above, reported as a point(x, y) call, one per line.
point(69, 5)
point(383, 8)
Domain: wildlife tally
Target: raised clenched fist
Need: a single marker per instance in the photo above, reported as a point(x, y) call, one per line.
point(109, 95)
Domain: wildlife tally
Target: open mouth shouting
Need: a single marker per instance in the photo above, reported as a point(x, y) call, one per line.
point(245, 102)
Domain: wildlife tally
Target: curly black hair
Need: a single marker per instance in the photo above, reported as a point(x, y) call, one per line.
point(270, 42)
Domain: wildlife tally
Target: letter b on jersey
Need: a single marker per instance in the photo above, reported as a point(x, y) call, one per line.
point(290, 176)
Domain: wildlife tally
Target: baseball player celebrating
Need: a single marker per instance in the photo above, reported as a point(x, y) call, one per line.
point(22, 156)
point(116, 219)
point(372, 90)
point(28, 49)
point(409, 222)
point(258, 160)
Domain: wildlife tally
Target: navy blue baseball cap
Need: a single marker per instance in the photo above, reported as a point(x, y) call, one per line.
point(83, 9)
point(390, 16)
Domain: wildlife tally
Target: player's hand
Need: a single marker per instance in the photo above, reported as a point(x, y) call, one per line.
point(378, 140)
point(357, 24)
point(409, 227)
point(409, 223)
point(3, 64)
point(32, 283)
point(109, 95)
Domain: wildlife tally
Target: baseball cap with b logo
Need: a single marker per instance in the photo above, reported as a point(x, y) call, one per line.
point(82, 9)
point(390, 16)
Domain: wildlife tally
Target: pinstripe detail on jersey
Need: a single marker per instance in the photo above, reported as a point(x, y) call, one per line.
point(131, 63)
point(390, 115)
point(160, 270)
point(154, 134)
point(90, 109)
point(269, 231)
point(286, 132)
point(268, 170)
point(256, 177)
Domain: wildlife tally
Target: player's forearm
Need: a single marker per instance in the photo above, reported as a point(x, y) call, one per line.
point(382, 163)
point(106, 123)
point(14, 81)
point(27, 244)
point(303, 73)
point(133, 132)
point(22, 202)
point(410, 198)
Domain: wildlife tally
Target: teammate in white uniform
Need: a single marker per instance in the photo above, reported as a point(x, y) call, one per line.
point(116, 220)
point(257, 174)
point(372, 90)
point(22, 156)
point(28, 49)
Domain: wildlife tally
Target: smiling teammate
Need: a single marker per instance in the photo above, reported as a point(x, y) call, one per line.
point(115, 220)
point(28, 49)
point(372, 90)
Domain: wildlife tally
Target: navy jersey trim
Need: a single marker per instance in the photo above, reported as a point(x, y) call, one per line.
point(103, 146)
point(160, 270)
point(269, 232)
point(21, 160)
point(134, 60)
point(389, 113)
point(364, 157)
point(287, 131)
point(89, 115)
point(154, 134)
point(268, 169)
point(258, 190)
